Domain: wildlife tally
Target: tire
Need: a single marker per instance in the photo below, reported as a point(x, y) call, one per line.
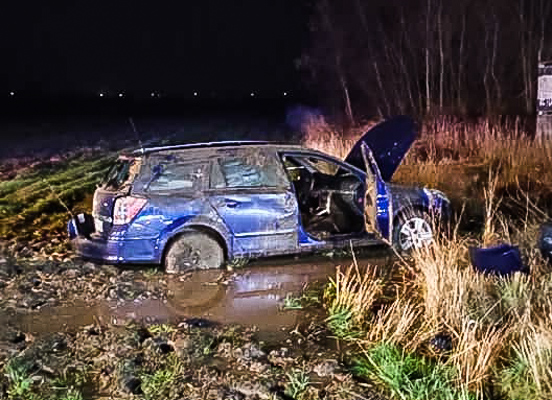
point(413, 229)
point(191, 251)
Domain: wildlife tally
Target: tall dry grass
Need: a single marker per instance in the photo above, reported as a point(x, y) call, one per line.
point(500, 328)
point(455, 155)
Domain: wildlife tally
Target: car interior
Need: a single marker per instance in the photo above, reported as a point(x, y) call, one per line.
point(330, 197)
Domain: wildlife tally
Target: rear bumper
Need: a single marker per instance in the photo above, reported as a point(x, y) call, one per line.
point(119, 250)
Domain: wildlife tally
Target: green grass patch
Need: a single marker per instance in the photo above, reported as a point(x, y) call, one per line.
point(408, 376)
point(292, 303)
point(297, 383)
point(341, 324)
point(20, 382)
point(156, 384)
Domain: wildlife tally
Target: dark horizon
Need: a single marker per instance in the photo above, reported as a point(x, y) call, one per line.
point(214, 48)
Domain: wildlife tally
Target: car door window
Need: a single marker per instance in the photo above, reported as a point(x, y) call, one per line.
point(178, 176)
point(323, 166)
point(315, 164)
point(244, 171)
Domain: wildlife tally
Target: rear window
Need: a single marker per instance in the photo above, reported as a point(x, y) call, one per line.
point(121, 173)
point(178, 176)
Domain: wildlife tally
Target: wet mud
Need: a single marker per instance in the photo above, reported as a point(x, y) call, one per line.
point(253, 296)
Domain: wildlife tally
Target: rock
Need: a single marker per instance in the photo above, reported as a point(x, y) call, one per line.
point(159, 345)
point(35, 280)
point(197, 323)
point(15, 337)
point(89, 268)
point(8, 270)
point(35, 302)
point(47, 268)
point(184, 344)
point(326, 368)
point(127, 275)
point(25, 252)
point(71, 273)
point(258, 367)
point(131, 384)
point(230, 394)
point(251, 351)
point(142, 334)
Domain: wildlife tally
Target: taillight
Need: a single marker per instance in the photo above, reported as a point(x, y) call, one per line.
point(126, 208)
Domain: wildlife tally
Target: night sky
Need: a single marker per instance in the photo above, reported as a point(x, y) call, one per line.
point(86, 47)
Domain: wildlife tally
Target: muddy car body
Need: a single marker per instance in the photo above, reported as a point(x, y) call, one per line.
point(199, 205)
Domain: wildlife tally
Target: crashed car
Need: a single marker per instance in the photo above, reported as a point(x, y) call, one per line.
point(197, 206)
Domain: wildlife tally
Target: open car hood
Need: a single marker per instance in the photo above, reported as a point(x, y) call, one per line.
point(389, 142)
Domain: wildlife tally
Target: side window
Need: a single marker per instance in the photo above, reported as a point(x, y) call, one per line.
point(323, 166)
point(251, 170)
point(179, 176)
point(326, 167)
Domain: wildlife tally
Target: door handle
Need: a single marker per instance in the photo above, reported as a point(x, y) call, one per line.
point(231, 203)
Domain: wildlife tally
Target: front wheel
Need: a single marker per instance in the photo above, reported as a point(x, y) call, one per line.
point(193, 250)
point(413, 230)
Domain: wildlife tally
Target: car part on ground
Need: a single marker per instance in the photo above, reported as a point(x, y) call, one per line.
point(545, 240)
point(503, 260)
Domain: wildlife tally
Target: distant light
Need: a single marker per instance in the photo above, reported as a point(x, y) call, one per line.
point(121, 94)
point(252, 94)
point(12, 93)
point(285, 93)
point(152, 94)
point(195, 94)
point(101, 95)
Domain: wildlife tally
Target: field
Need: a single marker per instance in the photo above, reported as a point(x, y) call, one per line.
point(424, 327)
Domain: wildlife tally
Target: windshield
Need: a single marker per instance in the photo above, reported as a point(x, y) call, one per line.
point(121, 173)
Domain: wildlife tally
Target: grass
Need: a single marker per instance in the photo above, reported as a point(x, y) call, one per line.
point(297, 383)
point(408, 376)
point(156, 384)
point(20, 382)
point(156, 329)
point(292, 302)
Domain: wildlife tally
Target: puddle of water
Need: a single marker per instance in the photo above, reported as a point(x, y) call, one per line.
point(250, 296)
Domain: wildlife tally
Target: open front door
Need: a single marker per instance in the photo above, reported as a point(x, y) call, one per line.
point(378, 212)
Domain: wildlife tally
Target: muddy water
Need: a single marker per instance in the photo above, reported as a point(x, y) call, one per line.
point(253, 295)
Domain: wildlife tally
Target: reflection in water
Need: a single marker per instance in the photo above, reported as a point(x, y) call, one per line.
point(252, 296)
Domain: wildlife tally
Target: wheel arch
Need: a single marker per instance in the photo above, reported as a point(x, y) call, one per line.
point(196, 228)
point(408, 208)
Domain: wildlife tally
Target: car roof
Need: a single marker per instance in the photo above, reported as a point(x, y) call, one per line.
point(219, 145)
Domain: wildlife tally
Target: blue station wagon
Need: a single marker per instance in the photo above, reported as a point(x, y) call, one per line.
point(197, 206)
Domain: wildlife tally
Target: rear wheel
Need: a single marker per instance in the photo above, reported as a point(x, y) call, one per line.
point(193, 250)
point(413, 230)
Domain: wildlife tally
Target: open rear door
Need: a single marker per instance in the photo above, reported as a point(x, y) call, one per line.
point(378, 212)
